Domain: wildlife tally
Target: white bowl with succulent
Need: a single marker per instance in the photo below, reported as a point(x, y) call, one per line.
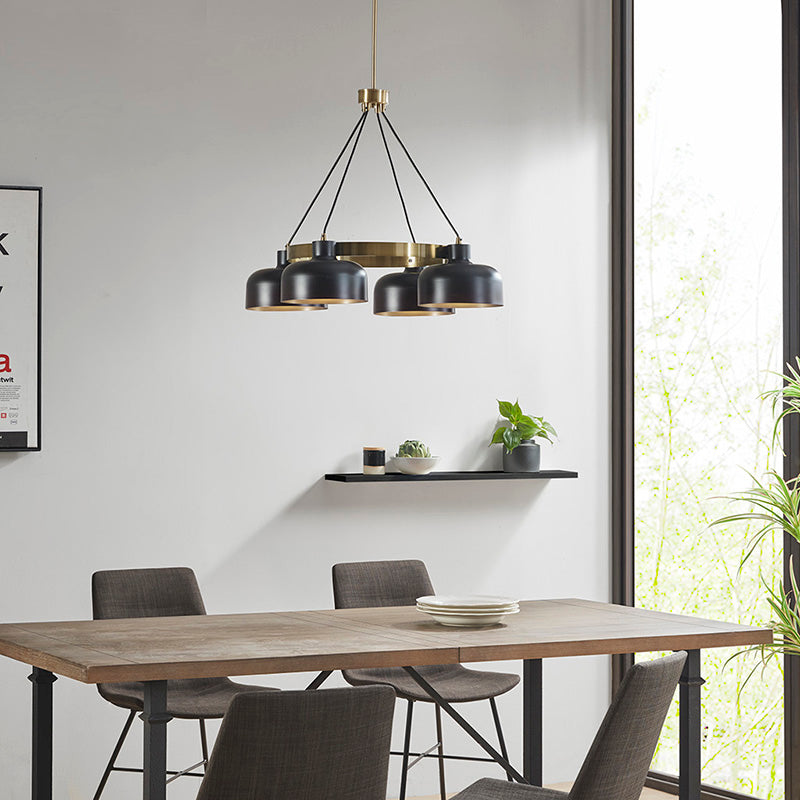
point(414, 458)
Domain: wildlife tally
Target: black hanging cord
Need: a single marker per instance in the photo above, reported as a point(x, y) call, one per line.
point(346, 168)
point(358, 124)
point(394, 174)
point(421, 176)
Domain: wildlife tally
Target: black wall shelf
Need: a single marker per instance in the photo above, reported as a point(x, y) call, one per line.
point(492, 475)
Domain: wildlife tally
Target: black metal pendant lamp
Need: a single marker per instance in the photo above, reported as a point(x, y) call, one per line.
point(396, 295)
point(324, 279)
point(458, 283)
point(436, 279)
point(263, 291)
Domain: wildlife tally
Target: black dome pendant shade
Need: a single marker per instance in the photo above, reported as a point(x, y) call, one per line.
point(458, 283)
point(324, 279)
point(263, 291)
point(395, 295)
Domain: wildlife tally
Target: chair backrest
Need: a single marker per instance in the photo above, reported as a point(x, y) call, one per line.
point(620, 756)
point(317, 745)
point(368, 584)
point(165, 592)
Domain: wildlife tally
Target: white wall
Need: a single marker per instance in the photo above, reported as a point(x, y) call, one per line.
point(177, 144)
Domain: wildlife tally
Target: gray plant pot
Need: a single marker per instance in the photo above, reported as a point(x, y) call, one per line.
point(523, 458)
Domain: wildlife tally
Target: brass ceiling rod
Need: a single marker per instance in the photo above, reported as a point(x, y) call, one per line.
point(374, 41)
point(374, 97)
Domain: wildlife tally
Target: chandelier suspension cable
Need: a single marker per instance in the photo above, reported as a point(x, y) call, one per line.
point(422, 177)
point(344, 174)
point(394, 174)
point(360, 123)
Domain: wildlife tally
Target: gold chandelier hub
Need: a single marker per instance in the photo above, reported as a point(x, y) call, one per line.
point(373, 98)
point(380, 255)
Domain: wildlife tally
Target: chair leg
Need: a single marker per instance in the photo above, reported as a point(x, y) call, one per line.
point(406, 749)
point(204, 743)
point(500, 737)
point(114, 755)
point(440, 740)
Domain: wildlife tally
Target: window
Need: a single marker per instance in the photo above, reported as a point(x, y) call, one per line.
point(707, 334)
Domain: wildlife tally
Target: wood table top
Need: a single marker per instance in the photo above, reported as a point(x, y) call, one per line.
point(159, 648)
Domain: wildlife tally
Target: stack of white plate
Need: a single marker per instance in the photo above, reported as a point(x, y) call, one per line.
point(468, 610)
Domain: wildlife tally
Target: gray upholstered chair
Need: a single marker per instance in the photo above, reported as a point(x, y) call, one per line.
point(620, 756)
point(167, 592)
point(314, 745)
point(399, 583)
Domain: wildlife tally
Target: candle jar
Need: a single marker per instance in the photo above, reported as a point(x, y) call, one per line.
point(374, 461)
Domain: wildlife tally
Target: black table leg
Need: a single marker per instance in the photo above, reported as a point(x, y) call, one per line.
point(690, 683)
point(532, 721)
point(42, 753)
point(319, 680)
point(155, 720)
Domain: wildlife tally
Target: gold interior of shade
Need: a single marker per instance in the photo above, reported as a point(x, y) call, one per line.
point(432, 313)
point(323, 301)
point(461, 305)
point(286, 308)
point(378, 255)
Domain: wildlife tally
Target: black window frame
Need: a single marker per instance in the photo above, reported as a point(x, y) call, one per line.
point(622, 346)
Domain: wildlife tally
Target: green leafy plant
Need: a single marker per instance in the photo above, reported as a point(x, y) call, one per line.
point(774, 504)
point(522, 427)
point(785, 625)
point(413, 448)
point(787, 397)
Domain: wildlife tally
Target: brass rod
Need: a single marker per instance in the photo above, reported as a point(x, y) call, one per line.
point(374, 40)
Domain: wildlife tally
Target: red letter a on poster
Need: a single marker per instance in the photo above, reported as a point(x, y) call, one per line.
point(5, 363)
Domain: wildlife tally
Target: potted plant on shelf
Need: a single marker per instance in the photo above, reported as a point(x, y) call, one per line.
point(520, 452)
point(414, 458)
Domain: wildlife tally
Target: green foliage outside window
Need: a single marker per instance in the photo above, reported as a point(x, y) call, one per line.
point(707, 347)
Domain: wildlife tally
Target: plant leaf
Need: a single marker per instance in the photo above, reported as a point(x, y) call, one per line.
point(506, 408)
point(775, 502)
point(497, 437)
point(527, 431)
point(511, 439)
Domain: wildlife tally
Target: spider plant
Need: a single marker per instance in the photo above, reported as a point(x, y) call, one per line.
point(787, 396)
point(785, 625)
point(774, 505)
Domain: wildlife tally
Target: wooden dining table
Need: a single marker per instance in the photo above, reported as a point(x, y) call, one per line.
point(157, 649)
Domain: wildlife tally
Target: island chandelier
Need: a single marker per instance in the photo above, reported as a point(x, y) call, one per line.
point(435, 281)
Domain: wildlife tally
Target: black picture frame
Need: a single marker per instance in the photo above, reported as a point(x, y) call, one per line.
point(12, 447)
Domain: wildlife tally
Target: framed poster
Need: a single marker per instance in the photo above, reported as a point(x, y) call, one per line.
point(20, 317)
